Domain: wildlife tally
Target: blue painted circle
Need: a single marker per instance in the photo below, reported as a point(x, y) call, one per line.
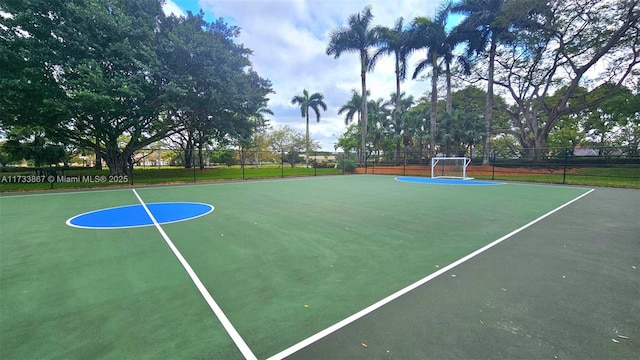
point(136, 216)
point(443, 181)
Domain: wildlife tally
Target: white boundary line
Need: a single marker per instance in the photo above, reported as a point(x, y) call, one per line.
point(310, 340)
point(237, 339)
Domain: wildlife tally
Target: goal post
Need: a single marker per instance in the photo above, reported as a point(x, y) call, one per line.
point(450, 167)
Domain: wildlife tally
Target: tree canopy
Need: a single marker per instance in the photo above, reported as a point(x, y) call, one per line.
point(538, 60)
point(92, 74)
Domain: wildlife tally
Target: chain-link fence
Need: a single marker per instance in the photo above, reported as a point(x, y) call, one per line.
point(32, 168)
point(51, 167)
point(580, 165)
point(607, 166)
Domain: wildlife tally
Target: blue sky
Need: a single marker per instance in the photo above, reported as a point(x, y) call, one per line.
point(289, 39)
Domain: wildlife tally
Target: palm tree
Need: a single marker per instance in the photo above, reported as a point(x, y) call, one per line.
point(440, 43)
point(258, 117)
point(481, 28)
point(398, 126)
point(432, 34)
point(259, 122)
point(306, 101)
point(352, 107)
point(394, 41)
point(423, 35)
point(378, 119)
point(358, 37)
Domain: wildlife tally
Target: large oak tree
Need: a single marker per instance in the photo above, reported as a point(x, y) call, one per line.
point(555, 50)
point(94, 68)
point(115, 77)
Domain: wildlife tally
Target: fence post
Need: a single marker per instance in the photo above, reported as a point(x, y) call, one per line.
point(364, 156)
point(404, 163)
point(373, 165)
point(242, 162)
point(564, 172)
point(315, 163)
point(282, 162)
point(131, 168)
point(193, 163)
point(492, 158)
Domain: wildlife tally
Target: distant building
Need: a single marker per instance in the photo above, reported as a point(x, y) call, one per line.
point(604, 151)
point(320, 158)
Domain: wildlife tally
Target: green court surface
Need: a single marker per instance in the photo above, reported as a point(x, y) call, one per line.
point(287, 261)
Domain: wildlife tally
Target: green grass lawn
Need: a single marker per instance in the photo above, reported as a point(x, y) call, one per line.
point(620, 177)
point(151, 176)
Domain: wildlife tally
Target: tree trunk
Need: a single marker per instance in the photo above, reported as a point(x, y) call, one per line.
point(200, 157)
point(449, 101)
point(533, 153)
point(396, 112)
point(307, 138)
point(434, 107)
point(532, 139)
point(257, 155)
point(363, 78)
point(119, 162)
point(98, 165)
point(489, 104)
point(188, 156)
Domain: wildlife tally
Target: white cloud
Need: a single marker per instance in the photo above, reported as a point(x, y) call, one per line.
point(289, 39)
point(171, 7)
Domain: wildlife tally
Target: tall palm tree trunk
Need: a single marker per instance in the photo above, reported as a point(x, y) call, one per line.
point(489, 104)
point(449, 105)
point(396, 111)
point(434, 106)
point(363, 77)
point(307, 139)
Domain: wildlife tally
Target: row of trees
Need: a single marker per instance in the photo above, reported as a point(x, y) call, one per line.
point(613, 123)
point(280, 144)
point(542, 57)
point(117, 76)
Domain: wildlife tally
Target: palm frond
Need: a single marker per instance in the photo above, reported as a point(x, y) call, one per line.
point(421, 66)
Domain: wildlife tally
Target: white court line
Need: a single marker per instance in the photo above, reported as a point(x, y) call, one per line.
point(237, 339)
point(310, 340)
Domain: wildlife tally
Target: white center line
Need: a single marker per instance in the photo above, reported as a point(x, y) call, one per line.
point(237, 339)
